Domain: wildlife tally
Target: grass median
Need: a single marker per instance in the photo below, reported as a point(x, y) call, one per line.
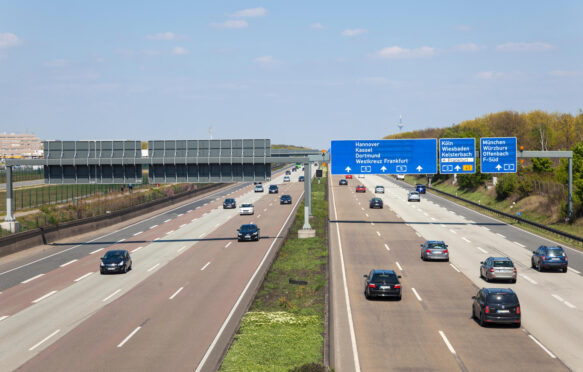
point(283, 329)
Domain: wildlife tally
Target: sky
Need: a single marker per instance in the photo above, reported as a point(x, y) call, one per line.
point(297, 72)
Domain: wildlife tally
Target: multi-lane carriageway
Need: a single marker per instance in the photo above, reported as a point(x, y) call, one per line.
point(175, 310)
point(431, 328)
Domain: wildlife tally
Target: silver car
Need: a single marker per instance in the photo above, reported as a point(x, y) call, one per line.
point(434, 250)
point(258, 188)
point(379, 189)
point(414, 196)
point(498, 268)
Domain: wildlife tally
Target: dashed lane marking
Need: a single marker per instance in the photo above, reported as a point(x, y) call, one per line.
point(111, 295)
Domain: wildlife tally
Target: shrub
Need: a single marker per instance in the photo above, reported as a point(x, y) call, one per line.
point(540, 165)
point(506, 185)
point(525, 187)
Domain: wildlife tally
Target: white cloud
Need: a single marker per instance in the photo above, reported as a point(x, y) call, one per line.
point(525, 47)
point(489, 75)
point(179, 51)
point(249, 13)
point(56, 63)
point(232, 24)
point(354, 32)
point(266, 61)
point(566, 73)
point(396, 52)
point(8, 40)
point(163, 36)
point(374, 80)
point(317, 26)
point(468, 47)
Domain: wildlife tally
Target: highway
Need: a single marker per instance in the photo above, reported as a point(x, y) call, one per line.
point(431, 328)
point(176, 309)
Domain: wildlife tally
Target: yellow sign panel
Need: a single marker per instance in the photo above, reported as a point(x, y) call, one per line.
point(468, 167)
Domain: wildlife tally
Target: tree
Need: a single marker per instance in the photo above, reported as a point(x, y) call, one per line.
point(540, 165)
point(506, 185)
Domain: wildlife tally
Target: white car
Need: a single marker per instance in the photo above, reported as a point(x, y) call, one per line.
point(286, 179)
point(400, 176)
point(414, 196)
point(246, 209)
point(379, 189)
point(258, 188)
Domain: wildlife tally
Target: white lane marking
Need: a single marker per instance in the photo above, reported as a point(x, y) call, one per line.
point(558, 298)
point(442, 225)
point(153, 227)
point(426, 214)
point(43, 297)
point(176, 293)
point(202, 235)
point(138, 233)
point(205, 266)
point(170, 232)
point(471, 222)
point(181, 249)
point(180, 215)
point(190, 210)
point(194, 219)
point(378, 233)
point(455, 268)
point(168, 220)
point(228, 244)
point(452, 231)
point(97, 250)
point(264, 209)
point(153, 267)
point(217, 225)
point(569, 304)
point(82, 277)
point(31, 279)
point(3, 317)
point(575, 271)
point(520, 245)
point(485, 228)
point(398, 265)
point(372, 223)
point(44, 340)
point(362, 208)
point(501, 235)
point(129, 336)
point(451, 349)
point(68, 263)
point(433, 219)
point(482, 250)
point(416, 294)
point(137, 249)
point(111, 295)
point(466, 239)
point(386, 246)
point(181, 226)
point(366, 214)
point(416, 233)
point(158, 238)
point(258, 216)
point(121, 240)
point(205, 204)
point(270, 204)
point(529, 279)
point(542, 347)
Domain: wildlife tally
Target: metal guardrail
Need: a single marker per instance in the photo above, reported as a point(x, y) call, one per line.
point(508, 215)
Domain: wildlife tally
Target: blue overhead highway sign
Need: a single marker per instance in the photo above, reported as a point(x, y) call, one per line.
point(457, 155)
point(406, 156)
point(498, 155)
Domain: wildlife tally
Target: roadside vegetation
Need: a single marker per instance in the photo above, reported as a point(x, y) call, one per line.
point(283, 329)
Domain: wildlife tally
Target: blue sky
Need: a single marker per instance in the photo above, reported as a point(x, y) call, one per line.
point(298, 72)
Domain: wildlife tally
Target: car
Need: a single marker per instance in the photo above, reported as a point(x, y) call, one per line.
point(246, 209)
point(273, 189)
point(348, 176)
point(360, 188)
point(258, 188)
point(257, 182)
point(400, 176)
point(115, 261)
point(434, 250)
point(293, 169)
point(286, 179)
point(376, 203)
point(549, 257)
point(414, 196)
point(285, 199)
point(343, 182)
point(382, 283)
point(379, 189)
point(229, 203)
point(498, 268)
point(287, 172)
point(248, 231)
point(496, 305)
point(420, 188)
point(301, 179)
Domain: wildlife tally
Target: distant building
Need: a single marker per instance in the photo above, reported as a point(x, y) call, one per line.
point(20, 146)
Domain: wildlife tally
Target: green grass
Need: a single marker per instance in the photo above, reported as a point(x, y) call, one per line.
point(283, 329)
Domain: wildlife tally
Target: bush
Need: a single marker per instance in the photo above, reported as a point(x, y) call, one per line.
point(525, 187)
point(506, 185)
point(540, 165)
point(471, 181)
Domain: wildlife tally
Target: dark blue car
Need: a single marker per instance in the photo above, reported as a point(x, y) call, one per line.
point(549, 258)
point(420, 188)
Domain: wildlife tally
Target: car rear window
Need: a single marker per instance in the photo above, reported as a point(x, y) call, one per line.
point(436, 246)
point(502, 298)
point(385, 278)
point(246, 205)
point(504, 263)
point(555, 252)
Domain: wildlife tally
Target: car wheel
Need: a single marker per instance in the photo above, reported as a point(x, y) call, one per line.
point(366, 295)
point(399, 298)
point(482, 320)
point(487, 279)
point(125, 269)
point(532, 263)
point(517, 325)
point(473, 313)
point(540, 267)
point(565, 269)
point(447, 260)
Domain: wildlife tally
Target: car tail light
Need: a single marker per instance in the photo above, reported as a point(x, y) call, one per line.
point(445, 251)
point(491, 269)
point(487, 310)
point(371, 285)
point(428, 251)
point(517, 309)
point(397, 286)
point(544, 258)
point(515, 270)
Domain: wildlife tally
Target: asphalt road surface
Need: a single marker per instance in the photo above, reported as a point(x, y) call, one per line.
point(431, 328)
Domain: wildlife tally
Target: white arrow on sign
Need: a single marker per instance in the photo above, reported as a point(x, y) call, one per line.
point(383, 168)
point(498, 167)
point(419, 168)
point(348, 169)
point(457, 168)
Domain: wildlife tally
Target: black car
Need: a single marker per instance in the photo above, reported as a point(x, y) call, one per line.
point(496, 305)
point(343, 182)
point(116, 261)
point(287, 172)
point(376, 203)
point(273, 189)
point(285, 199)
point(248, 231)
point(301, 179)
point(420, 188)
point(549, 258)
point(257, 182)
point(229, 203)
point(382, 283)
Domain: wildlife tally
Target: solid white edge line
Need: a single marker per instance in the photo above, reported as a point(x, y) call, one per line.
point(451, 349)
point(398, 265)
point(111, 295)
point(575, 271)
point(455, 268)
point(129, 336)
point(205, 266)
point(44, 340)
point(234, 308)
point(416, 294)
point(97, 250)
point(153, 267)
point(68, 263)
point(542, 346)
point(43, 297)
point(82, 277)
point(386, 246)
point(137, 249)
point(176, 293)
point(31, 279)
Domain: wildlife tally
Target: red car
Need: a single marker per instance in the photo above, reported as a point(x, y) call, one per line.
point(349, 176)
point(360, 188)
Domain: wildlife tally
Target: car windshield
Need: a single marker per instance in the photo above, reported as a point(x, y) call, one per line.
point(502, 298)
point(246, 205)
point(555, 252)
point(247, 228)
point(273, 187)
point(436, 246)
point(379, 187)
point(504, 263)
point(113, 255)
point(229, 200)
point(376, 200)
point(385, 278)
